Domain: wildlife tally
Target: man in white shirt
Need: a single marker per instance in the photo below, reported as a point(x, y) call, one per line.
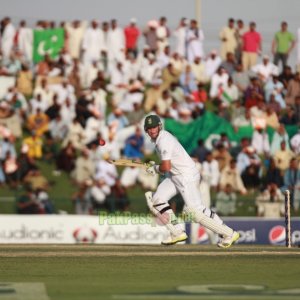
point(25, 41)
point(7, 39)
point(195, 38)
point(116, 42)
point(75, 36)
point(92, 43)
point(180, 35)
point(212, 63)
point(265, 69)
point(183, 178)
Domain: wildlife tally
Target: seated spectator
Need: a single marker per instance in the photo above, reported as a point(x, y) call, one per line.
point(212, 64)
point(260, 141)
point(249, 165)
point(35, 180)
point(279, 135)
point(198, 69)
point(274, 105)
point(200, 151)
point(218, 82)
point(84, 168)
point(271, 118)
point(274, 86)
point(273, 174)
point(188, 81)
point(240, 79)
point(200, 96)
point(253, 93)
point(295, 142)
point(291, 181)
point(82, 200)
point(134, 145)
point(226, 201)
point(265, 69)
point(99, 192)
point(152, 95)
point(229, 64)
point(27, 203)
point(282, 157)
point(10, 168)
point(35, 144)
point(270, 203)
point(293, 89)
point(230, 93)
point(65, 160)
point(286, 76)
point(164, 103)
point(42, 197)
point(222, 155)
point(231, 176)
point(210, 172)
point(289, 118)
point(38, 122)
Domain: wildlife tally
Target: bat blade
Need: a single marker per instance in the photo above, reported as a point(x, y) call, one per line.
point(128, 163)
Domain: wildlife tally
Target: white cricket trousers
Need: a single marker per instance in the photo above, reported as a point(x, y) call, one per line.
point(186, 185)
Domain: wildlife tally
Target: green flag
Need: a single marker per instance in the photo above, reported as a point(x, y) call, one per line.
point(208, 124)
point(47, 41)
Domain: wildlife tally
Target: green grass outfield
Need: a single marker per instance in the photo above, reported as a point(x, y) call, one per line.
point(83, 272)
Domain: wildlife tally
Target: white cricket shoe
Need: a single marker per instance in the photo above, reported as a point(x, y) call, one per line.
point(172, 240)
point(227, 241)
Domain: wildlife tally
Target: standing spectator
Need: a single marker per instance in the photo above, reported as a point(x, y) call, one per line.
point(195, 38)
point(251, 47)
point(75, 32)
point(240, 30)
point(115, 42)
point(92, 43)
point(132, 34)
point(25, 41)
point(150, 35)
point(180, 35)
point(282, 45)
point(163, 33)
point(7, 38)
point(228, 39)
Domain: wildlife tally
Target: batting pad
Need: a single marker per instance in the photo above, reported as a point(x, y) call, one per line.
point(212, 222)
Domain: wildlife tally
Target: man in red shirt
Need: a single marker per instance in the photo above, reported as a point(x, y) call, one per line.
point(251, 47)
point(131, 33)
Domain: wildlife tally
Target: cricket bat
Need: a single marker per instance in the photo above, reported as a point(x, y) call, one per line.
point(129, 163)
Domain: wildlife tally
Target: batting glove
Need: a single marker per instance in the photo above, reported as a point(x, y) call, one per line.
point(153, 169)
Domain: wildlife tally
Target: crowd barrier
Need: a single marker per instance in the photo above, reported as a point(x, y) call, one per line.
point(72, 229)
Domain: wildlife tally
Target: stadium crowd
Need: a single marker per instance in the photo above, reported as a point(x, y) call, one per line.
point(102, 85)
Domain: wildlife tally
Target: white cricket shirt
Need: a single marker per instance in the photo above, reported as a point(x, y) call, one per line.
point(168, 148)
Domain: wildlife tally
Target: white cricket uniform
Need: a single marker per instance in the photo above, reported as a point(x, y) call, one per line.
point(184, 175)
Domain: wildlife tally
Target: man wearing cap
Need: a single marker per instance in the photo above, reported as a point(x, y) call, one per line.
point(132, 34)
point(183, 177)
point(265, 69)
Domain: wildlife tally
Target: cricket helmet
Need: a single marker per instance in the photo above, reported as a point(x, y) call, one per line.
point(152, 121)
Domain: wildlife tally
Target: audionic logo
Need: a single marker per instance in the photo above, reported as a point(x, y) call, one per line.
point(277, 235)
point(85, 235)
point(24, 232)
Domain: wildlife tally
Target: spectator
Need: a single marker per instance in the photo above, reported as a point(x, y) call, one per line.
point(251, 47)
point(292, 183)
point(226, 201)
point(231, 176)
point(270, 203)
point(228, 39)
point(273, 174)
point(27, 203)
point(134, 145)
point(282, 45)
point(195, 38)
point(282, 157)
point(132, 34)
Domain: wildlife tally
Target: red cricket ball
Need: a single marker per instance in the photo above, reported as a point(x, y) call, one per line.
point(101, 142)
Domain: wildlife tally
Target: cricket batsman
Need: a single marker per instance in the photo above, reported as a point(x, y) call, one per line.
point(184, 179)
